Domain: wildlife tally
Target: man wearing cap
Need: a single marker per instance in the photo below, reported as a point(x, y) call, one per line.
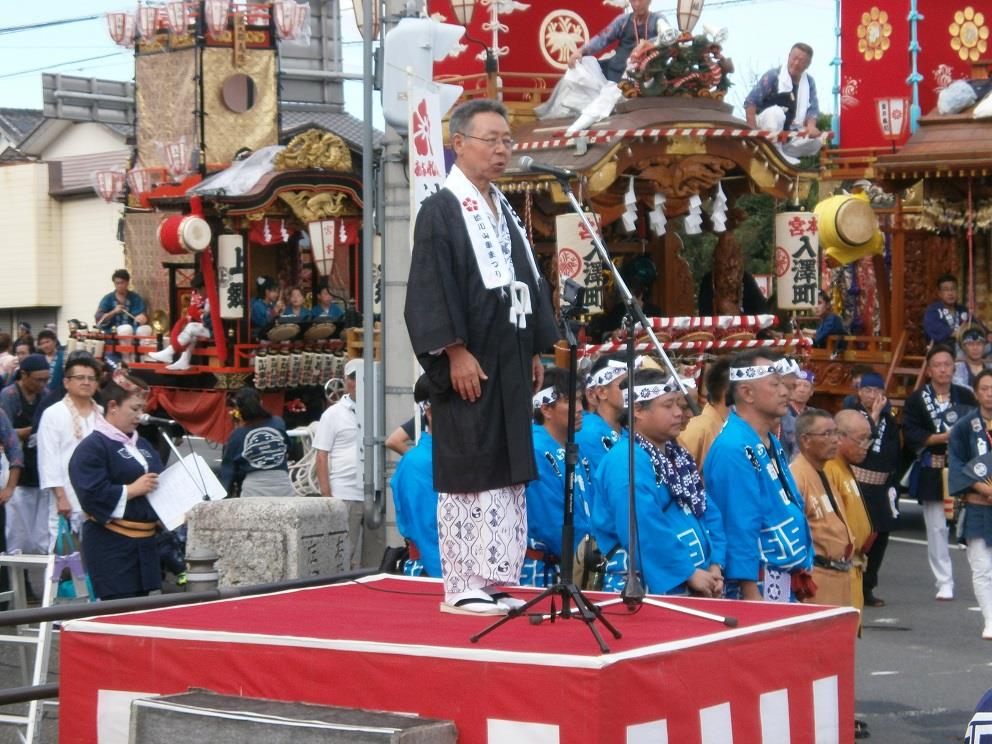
point(970, 477)
point(768, 537)
point(681, 530)
point(546, 493)
point(601, 427)
point(415, 498)
point(817, 436)
point(967, 368)
point(479, 312)
point(336, 442)
point(27, 510)
point(878, 474)
point(927, 418)
point(703, 429)
point(123, 311)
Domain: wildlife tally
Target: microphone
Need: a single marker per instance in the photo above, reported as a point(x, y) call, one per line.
point(527, 163)
point(146, 419)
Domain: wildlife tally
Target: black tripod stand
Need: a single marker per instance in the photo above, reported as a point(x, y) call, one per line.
point(565, 588)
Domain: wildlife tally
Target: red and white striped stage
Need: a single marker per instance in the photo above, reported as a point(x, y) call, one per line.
point(785, 674)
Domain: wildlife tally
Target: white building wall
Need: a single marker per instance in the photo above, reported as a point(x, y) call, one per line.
point(83, 138)
point(90, 254)
point(30, 222)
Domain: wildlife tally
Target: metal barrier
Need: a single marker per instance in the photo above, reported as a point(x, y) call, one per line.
point(60, 613)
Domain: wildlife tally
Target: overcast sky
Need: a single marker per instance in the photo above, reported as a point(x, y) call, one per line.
point(760, 35)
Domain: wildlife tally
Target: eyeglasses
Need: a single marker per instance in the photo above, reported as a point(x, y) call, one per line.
point(493, 142)
point(81, 378)
point(832, 434)
point(860, 441)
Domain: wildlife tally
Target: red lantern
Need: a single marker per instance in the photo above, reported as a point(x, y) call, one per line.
point(147, 21)
point(891, 114)
point(120, 25)
point(109, 184)
point(217, 13)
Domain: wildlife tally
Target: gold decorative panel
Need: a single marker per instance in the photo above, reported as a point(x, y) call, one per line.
point(166, 99)
point(226, 131)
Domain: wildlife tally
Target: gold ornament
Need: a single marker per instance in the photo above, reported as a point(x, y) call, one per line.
point(874, 33)
point(311, 206)
point(969, 34)
point(315, 148)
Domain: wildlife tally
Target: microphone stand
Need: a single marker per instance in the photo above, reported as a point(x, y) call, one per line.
point(565, 587)
point(633, 594)
point(179, 458)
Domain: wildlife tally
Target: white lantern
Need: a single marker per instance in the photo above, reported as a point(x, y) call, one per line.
point(217, 14)
point(688, 13)
point(120, 25)
point(147, 21)
point(359, 8)
point(109, 184)
point(463, 10)
point(290, 17)
point(177, 13)
point(141, 180)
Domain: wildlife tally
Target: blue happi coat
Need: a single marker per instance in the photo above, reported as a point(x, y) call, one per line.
point(99, 470)
point(546, 507)
point(673, 541)
point(416, 507)
point(595, 438)
point(762, 509)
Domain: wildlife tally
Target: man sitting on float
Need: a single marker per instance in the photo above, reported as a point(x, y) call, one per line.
point(266, 307)
point(121, 310)
point(195, 324)
point(784, 100)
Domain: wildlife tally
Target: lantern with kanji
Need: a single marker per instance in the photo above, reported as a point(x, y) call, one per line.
point(178, 14)
point(121, 27)
point(109, 184)
point(141, 180)
point(217, 13)
point(797, 260)
point(687, 13)
point(891, 114)
point(290, 18)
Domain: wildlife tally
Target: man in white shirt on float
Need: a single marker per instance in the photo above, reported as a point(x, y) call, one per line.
point(338, 472)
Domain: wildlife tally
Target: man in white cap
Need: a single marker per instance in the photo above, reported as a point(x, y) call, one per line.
point(337, 462)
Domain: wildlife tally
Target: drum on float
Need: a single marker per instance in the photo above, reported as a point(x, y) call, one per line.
point(184, 233)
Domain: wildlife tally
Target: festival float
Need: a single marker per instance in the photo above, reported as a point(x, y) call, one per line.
point(212, 192)
point(926, 170)
point(669, 151)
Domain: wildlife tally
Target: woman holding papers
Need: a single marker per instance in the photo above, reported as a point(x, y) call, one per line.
point(112, 470)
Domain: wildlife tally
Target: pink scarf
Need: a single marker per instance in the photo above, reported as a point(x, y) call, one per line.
point(113, 433)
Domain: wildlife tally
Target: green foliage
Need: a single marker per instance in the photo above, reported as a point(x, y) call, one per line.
point(756, 234)
point(697, 250)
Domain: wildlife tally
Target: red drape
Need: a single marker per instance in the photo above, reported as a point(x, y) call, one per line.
point(202, 412)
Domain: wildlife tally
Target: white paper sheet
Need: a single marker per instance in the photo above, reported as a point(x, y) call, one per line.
point(181, 486)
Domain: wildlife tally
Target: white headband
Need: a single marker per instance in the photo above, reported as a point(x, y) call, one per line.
point(738, 374)
point(688, 382)
point(644, 393)
point(545, 397)
point(605, 375)
point(788, 367)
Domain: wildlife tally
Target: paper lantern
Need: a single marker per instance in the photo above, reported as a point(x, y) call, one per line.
point(120, 25)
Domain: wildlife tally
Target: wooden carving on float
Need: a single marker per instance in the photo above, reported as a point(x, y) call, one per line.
point(927, 257)
point(728, 275)
point(679, 295)
point(315, 149)
point(313, 207)
point(682, 177)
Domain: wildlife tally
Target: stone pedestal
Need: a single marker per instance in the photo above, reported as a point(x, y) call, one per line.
point(260, 540)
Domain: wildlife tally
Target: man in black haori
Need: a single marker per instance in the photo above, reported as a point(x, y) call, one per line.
point(478, 312)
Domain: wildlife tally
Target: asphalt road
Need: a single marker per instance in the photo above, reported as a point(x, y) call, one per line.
point(921, 664)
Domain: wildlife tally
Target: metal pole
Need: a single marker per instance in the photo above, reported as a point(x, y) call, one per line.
point(373, 498)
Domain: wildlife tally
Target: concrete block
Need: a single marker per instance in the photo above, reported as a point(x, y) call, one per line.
point(202, 716)
point(260, 540)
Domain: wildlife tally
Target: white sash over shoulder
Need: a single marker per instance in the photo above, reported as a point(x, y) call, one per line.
point(494, 267)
